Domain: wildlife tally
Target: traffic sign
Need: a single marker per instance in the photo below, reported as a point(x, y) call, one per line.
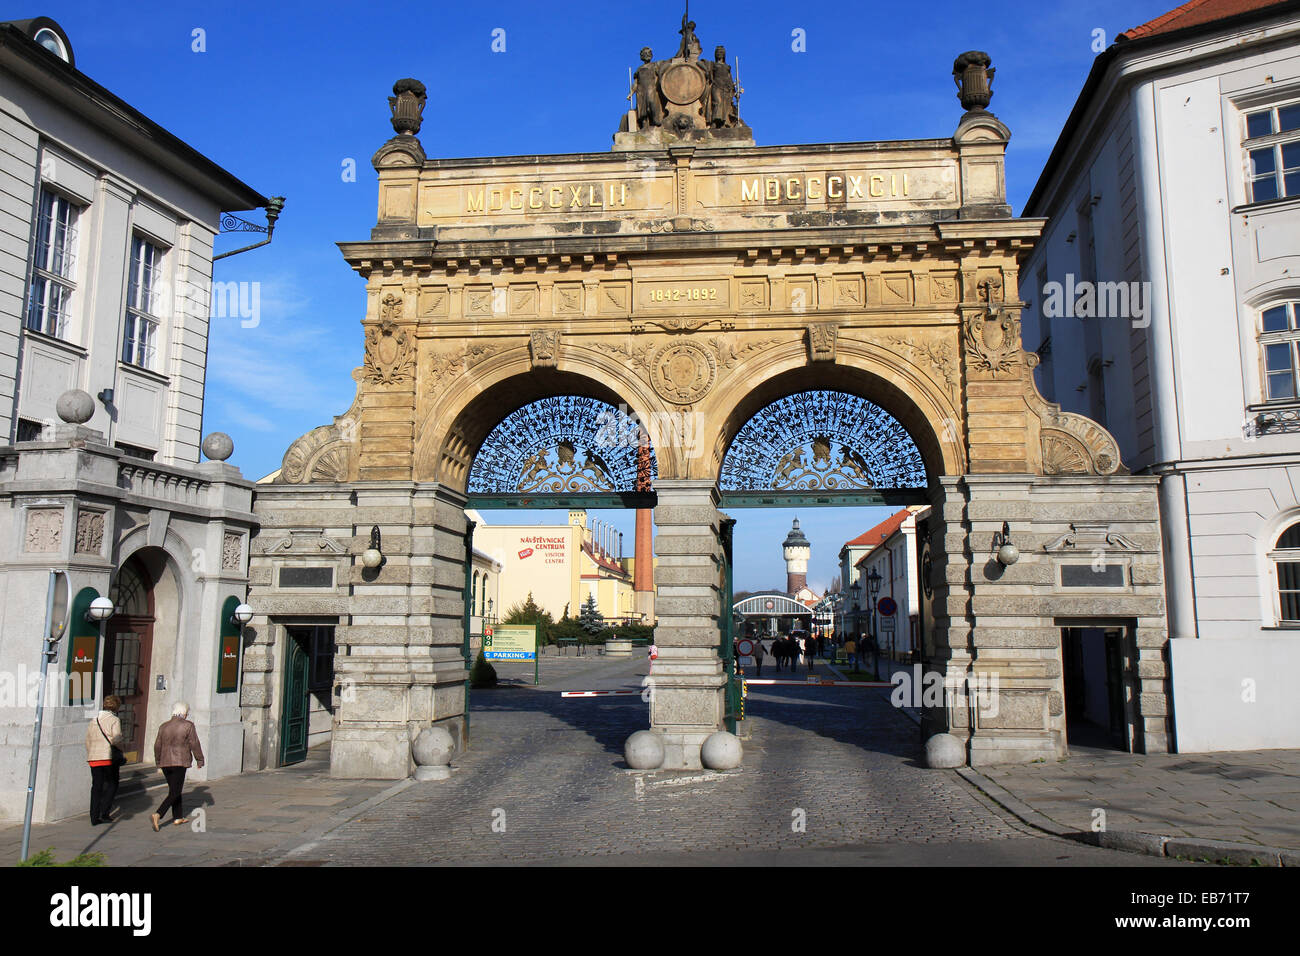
point(887, 606)
point(745, 646)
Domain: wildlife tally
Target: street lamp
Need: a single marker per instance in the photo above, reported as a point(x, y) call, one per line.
point(873, 588)
point(242, 615)
point(100, 610)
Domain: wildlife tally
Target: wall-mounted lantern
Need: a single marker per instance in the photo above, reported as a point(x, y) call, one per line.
point(373, 556)
point(1007, 553)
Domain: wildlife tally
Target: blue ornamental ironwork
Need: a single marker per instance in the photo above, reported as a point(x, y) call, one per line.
point(568, 444)
point(822, 441)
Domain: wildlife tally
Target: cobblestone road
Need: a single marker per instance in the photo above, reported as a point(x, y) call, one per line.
point(548, 773)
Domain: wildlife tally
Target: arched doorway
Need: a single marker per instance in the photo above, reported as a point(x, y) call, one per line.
point(128, 651)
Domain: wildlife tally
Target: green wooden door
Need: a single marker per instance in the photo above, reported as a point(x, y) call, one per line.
point(295, 713)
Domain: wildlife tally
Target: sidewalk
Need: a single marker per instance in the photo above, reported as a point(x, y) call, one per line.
point(1217, 805)
point(247, 819)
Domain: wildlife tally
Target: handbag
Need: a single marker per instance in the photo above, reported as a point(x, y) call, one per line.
point(119, 758)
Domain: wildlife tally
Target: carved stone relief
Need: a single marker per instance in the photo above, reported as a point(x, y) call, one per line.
point(992, 338)
point(937, 355)
point(232, 550)
point(821, 341)
point(390, 352)
point(544, 348)
point(90, 532)
point(728, 355)
point(44, 530)
point(682, 372)
point(447, 365)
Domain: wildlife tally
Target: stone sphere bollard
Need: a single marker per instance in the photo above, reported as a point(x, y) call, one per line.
point(721, 751)
point(432, 750)
point(75, 406)
point(944, 752)
point(644, 750)
point(218, 446)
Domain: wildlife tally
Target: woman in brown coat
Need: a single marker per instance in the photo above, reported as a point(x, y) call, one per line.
point(176, 743)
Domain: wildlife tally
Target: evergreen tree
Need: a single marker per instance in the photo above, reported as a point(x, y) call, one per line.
point(592, 621)
point(530, 612)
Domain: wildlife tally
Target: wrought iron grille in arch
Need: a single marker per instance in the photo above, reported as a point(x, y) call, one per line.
point(567, 444)
point(822, 441)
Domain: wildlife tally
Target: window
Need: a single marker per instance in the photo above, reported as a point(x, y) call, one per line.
point(1279, 339)
point(53, 265)
point(1286, 562)
point(140, 341)
point(1273, 152)
point(321, 648)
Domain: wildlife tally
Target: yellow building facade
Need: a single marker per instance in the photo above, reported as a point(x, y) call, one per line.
point(559, 565)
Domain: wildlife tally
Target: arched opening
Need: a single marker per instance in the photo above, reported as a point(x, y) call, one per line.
point(911, 437)
point(843, 470)
point(511, 410)
point(563, 445)
point(819, 441)
point(560, 493)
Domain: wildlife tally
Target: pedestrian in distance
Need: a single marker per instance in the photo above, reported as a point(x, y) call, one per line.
point(104, 755)
point(809, 650)
point(851, 652)
point(176, 744)
point(758, 657)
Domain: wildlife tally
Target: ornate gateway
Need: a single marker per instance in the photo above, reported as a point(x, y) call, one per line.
point(697, 321)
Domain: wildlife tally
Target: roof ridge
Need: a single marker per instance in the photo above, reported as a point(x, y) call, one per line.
point(1151, 26)
point(1185, 16)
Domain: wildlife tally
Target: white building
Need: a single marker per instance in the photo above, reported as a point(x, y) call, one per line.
point(895, 560)
point(1164, 302)
point(106, 250)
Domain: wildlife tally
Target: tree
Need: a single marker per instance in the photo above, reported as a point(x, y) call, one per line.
point(530, 612)
point(835, 585)
point(589, 616)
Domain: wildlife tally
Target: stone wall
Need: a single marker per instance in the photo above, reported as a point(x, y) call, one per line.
point(1004, 623)
point(399, 662)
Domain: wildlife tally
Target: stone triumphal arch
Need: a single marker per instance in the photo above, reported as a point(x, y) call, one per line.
point(691, 278)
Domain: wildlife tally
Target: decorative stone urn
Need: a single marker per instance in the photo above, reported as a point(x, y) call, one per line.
point(973, 74)
point(407, 104)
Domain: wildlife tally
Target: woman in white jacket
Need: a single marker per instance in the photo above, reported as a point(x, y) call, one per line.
point(102, 735)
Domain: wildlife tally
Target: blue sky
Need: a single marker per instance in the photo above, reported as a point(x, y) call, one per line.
point(285, 94)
